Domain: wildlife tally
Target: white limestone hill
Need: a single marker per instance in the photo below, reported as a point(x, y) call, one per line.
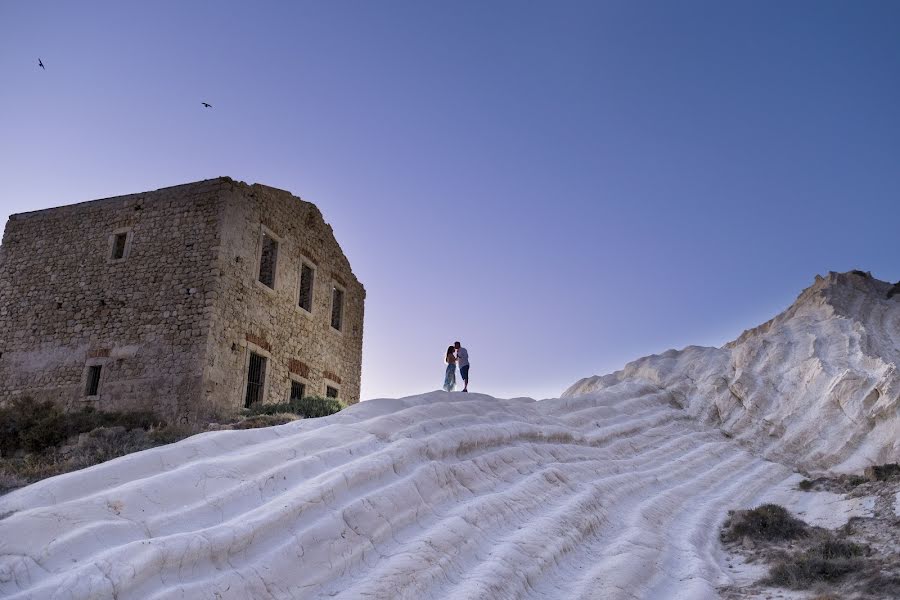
point(615, 491)
point(816, 387)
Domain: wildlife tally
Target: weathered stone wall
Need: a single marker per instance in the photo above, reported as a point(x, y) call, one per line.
point(250, 316)
point(65, 304)
point(172, 323)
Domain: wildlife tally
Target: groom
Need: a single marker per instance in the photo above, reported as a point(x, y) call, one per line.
point(462, 359)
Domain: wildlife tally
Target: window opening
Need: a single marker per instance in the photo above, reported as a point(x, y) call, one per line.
point(268, 258)
point(306, 287)
point(331, 392)
point(337, 308)
point(298, 390)
point(119, 246)
point(256, 379)
point(93, 380)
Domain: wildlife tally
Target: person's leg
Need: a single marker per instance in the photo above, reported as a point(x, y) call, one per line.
point(464, 372)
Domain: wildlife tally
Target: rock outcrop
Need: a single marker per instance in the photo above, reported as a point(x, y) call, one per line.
point(816, 387)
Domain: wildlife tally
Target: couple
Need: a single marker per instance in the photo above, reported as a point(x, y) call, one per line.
point(456, 354)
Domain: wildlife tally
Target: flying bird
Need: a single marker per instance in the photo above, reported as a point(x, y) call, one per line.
point(206, 104)
point(41, 65)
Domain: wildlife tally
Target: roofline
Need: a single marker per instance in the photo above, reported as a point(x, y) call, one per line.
point(220, 179)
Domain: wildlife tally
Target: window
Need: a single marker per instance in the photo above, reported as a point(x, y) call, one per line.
point(256, 379)
point(119, 244)
point(118, 249)
point(298, 390)
point(337, 307)
point(306, 287)
point(93, 381)
point(268, 259)
point(331, 392)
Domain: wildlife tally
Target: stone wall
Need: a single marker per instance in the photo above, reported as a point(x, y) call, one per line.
point(252, 317)
point(66, 304)
point(173, 322)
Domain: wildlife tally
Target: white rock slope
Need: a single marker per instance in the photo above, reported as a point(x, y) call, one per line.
point(617, 495)
point(816, 387)
point(615, 491)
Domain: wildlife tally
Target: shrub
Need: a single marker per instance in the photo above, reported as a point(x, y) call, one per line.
point(887, 472)
point(10, 480)
point(309, 407)
point(256, 421)
point(806, 485)
point(766, 522)
point(38, 426)
point(169, 434)
point(855, 480)
point(833, 548)
point(800, 571)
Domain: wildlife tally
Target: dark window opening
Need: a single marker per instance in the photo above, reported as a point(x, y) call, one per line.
point(331, 392)
point(256, 379)
point(93, 380)
point(306, 287)
point(337, 308)
point(298, 390)
point(118, 250)
point(267, 260)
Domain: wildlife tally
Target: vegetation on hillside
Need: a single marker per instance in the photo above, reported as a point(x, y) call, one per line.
point(853, 561)
point(40, 440)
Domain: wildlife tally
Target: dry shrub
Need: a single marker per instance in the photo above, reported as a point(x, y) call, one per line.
point(886, 472)
point(170, 434)
point(309, 407)
point(31, 426)
point(257, 421)
point(828, 560)
point(10, 480)
point(800, 571)
point(39, 440)
point(766, 522)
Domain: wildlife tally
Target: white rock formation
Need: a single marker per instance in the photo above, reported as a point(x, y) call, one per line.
point(615, 491)
point(816, 387)
point(461, 496)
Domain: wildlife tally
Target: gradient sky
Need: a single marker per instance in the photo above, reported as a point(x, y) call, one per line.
point(563, 186)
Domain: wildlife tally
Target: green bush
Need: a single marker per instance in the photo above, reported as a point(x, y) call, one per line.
point(309, 407)
point(766, 522)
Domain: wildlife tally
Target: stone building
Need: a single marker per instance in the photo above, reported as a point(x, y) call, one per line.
point(192, 301)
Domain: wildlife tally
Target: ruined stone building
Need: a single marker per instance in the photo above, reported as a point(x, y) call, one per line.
point(190, 301)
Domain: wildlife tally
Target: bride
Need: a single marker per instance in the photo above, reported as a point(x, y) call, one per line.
point(450, 374)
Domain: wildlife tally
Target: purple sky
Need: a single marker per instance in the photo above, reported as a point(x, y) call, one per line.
point(562, 186)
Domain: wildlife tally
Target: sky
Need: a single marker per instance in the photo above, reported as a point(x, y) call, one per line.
point(562, 186)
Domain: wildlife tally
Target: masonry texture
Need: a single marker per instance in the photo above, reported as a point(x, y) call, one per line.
point(164, 292)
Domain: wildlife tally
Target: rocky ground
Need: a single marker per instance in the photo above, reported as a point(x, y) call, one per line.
point(858, 560)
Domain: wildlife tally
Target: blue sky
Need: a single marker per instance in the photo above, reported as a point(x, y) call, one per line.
point(562, 186)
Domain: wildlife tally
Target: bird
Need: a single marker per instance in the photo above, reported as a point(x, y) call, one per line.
point(206, 104)
point(41, 65)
